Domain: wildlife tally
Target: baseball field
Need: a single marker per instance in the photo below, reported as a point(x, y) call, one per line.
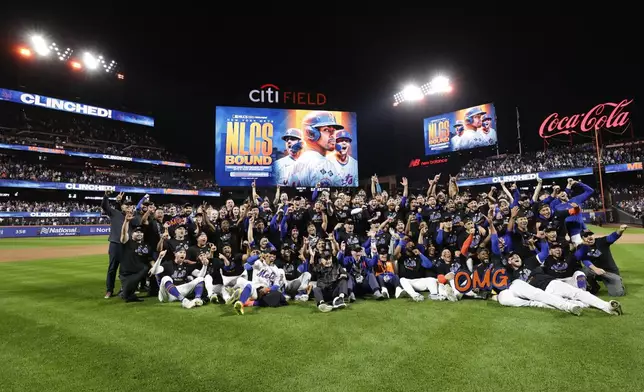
point(59, 334)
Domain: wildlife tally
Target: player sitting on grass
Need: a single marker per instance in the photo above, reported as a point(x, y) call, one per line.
point(175, 280)
point(265, 276)
point(331, 284)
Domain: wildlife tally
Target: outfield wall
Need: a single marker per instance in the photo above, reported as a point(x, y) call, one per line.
point(53, 231)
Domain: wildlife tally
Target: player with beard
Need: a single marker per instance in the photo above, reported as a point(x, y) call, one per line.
point(296, 275)
point(175, 280)
point(415, 271)
point(550, 291)
point(224, 273)
point(563, 267)
point(227, 235)
point(135, 257)
point(293, 143)
point(346, 235)
point(345, 165)
point(313, 167)
point(332, 284)
point(471, 137)
point(172, 245)
point(575, 223)
point(447, 237)
point(598, 261)
point(489, 133)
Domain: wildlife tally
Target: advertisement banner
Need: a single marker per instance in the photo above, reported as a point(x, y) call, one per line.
point(59, 151)
point(623, 167)
point(102, 188)
point(53, 231)
point(585, 171)
point(289, 147)
point(25, 214)
point(604, 115)
point(463, 129)
point(73, 107)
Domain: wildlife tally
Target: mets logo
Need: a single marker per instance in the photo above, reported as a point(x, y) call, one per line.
point(348, 179)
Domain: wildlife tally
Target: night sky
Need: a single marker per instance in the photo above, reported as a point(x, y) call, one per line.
point(179, 66)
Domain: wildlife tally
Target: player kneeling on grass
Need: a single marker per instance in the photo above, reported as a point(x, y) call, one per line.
point(266, 278)
point(529, 283)
point(135, 256)
point(176, 282)
point(332, 284)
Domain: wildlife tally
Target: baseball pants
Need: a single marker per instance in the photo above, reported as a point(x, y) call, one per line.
point(218, 289)
point(413, 286)
point(130, 282)
point(114, 252)
point(329, 293)
point(613, 282)
point(292, 287)
point(578, 279)
point(185, 289)
point(564, 290)
point(521, 293)
point(369, 285)
point(443, 290)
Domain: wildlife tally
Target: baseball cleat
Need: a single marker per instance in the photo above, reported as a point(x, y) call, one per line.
point(108, 295)
point(399, 292)
point(352, 297)
point(239, 308)
point(378, 295)
point(324, 308)
point(214, 299)
point(617, 308)
point(288, 297)
point(302, 297)
point(576, 310)
point(338, 302)
point(418, 298)
point(234, 297)
point(385, 293)
point(449, 293)
point(198, 302)
point(186, 303)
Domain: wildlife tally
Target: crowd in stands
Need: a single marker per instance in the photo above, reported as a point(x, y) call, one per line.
point(554, 158)
point(14, 168)
point(79, 133)
point(629, 198)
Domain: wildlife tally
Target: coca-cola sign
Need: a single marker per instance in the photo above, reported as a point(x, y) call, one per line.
point(604, 115)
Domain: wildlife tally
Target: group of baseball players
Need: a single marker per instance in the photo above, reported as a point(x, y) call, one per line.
point(319, 153)
point(475, 130)
point(518, 249)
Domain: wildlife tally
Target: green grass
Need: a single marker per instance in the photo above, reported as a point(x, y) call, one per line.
point(20, 243)
point(58, 334)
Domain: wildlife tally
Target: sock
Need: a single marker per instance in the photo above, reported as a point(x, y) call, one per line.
point(275, 288)
point(245, 294)
point(199, 290)
point(172, 289)
point(301, 292)
point(581, 282)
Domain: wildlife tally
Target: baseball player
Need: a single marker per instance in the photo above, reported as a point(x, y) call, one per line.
point(266, 278)
point(134, 259)
point(458, 131)
point(471, 137)
point(489, 133)
point(598, 261)
point(225, 269)
point(293, 140)
point(527, 276)
point(566, 268)
point(415, 273)
point(176, 282)
point(345, 165)
point(312, 167)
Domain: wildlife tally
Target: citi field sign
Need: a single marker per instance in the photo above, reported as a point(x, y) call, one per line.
point(270, 93)
point(604, 115)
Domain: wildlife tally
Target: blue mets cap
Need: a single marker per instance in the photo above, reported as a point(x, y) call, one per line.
point(458, 123)
point(321, 119)
point(292, 132)
point(474, 111)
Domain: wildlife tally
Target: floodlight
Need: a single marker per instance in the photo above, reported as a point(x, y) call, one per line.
point(90, 61)
point(40, 45)
point(412, 93)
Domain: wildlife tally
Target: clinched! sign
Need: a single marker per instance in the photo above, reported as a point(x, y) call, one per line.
point(596, 118)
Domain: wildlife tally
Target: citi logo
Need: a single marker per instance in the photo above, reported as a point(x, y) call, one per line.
point(270, 93)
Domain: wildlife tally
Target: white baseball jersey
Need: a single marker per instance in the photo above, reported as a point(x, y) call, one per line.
point(347, 172)
point(265, 275)
point(283, 168)
point(456, 141)
point(471, 139)
point(313, 168)
point(489, 137)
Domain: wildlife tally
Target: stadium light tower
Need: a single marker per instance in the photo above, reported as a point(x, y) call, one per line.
point(438, 85)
